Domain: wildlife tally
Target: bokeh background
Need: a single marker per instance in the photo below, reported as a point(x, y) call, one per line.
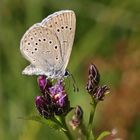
point(107, 34)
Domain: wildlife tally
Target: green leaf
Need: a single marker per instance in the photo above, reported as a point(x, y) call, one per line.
point(103, 134)
point(52, 123)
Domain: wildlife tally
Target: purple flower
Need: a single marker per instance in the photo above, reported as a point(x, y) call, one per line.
point(54, 99)
point(58, 93)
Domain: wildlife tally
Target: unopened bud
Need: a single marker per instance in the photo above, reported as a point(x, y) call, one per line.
point(100, 92)
point(93, 79)
point(77, 118)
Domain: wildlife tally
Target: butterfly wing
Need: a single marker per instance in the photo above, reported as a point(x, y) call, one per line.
point(41, 47)
point(47, 45)
point(63, 24)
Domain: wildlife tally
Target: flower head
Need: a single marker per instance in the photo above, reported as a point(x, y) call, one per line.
point(93, 88)
point(54, 99)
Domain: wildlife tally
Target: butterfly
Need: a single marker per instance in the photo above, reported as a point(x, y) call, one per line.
point(47, 45)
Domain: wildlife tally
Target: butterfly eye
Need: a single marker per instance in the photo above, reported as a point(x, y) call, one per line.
point(35, 49)
point(58, 30)
point(36, 43)
point(39, 40)
point(55, 47)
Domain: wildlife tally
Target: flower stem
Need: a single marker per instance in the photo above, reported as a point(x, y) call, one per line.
point(83, 129)
point(92, 113)
point(66, 131)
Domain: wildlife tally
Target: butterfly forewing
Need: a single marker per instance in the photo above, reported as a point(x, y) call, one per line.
point(63, 25)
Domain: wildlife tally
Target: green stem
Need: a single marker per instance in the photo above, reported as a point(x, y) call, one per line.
point(66, 131)
point(92, 113)
point(83, 129)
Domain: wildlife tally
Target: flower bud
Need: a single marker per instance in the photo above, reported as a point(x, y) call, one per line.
point(45, 109)
point(93, 79)
point(42, 82)
point(96, 91)
point(79, 112)
point(94, 74)
point(77, 118)
point(100, 92)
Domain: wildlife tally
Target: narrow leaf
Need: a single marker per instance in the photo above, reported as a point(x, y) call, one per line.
point(49, 122)
point(103, 134)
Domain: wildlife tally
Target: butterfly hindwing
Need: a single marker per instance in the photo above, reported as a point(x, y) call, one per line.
point(41, 48)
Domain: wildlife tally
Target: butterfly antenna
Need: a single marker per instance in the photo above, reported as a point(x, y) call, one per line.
point(75, 87)
point(69, 83)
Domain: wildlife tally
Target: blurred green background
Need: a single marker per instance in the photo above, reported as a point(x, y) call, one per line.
point(107, 34)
